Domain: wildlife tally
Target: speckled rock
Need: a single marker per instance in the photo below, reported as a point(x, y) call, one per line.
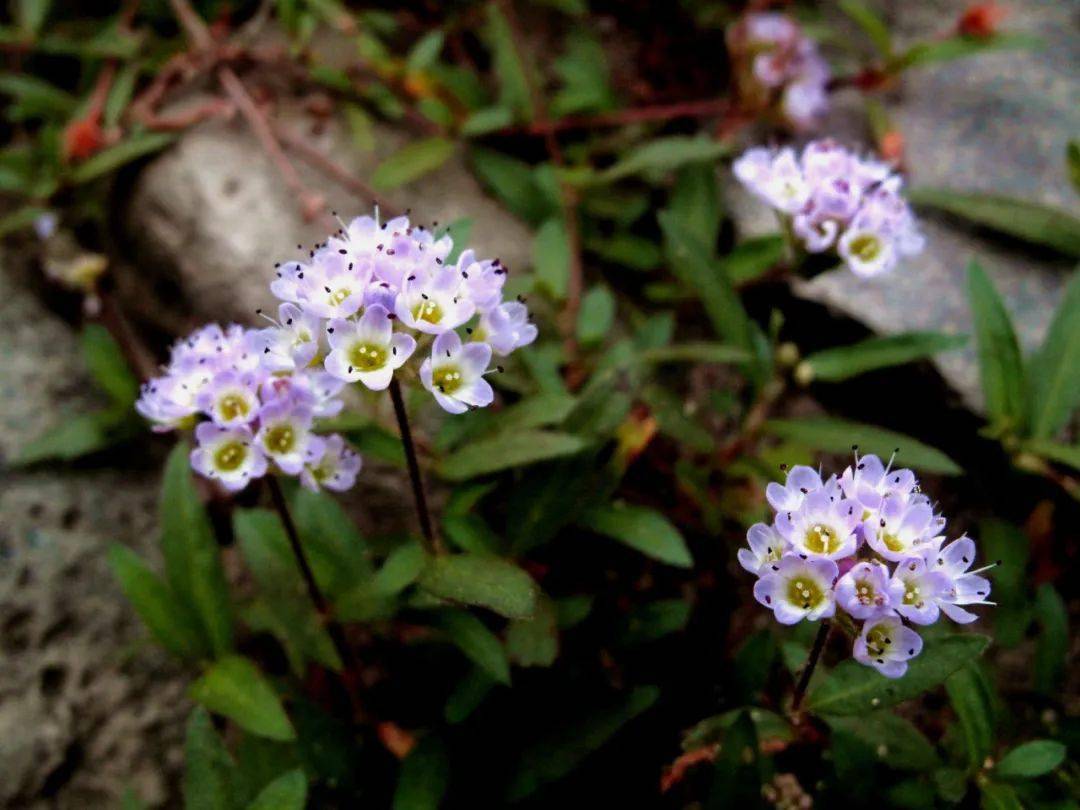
point(998, 122)
point(81, 717)
point(212, 215)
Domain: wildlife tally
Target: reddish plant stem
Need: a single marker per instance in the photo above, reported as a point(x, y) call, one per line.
point(811, 664)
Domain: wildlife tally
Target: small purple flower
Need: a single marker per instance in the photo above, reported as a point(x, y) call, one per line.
point(916, 593)
point(482, 281)
point(284, 435)
point(964, 587)
point(230, 399)
point(822, 526)
point(433, 302)
point(869, 482)
point(887, 645)
point(367, 350)
point(505, 327)
point(901, 528)
point(766, 547)
point(454, 373)
point(795, 589)
point(800, 482)
point(863, 592)
point(330, 464)
point(774, 177)
point(228, 455)
point(292, 343)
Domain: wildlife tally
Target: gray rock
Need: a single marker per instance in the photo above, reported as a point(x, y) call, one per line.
point(998, 122)
point(79, 714)
point(212, 215)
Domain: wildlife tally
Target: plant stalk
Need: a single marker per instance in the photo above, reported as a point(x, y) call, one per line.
point(431, 542)
point(811, 664)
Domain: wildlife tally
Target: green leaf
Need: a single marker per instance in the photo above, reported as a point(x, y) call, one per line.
point(370, 598)
point(426, 51)
point(695, 202)
point(534, 642)
point(641, 528)
point(551, 257)
point(664, 155)
point(838, 435)
point(120, 94)
point(112, 158)
point(479, 644)
point(467, 696)
point(31, 14)
point(1053, 381)
point(971, 702)
point(284, 607)
point(894, 741)
point(1061, 453)
point(737, 775)
point(871, 24)
point(1052, 646)
point(958, 47)
point(169, 620)
point(513, 182)
point(584, 76)
point(700, 352)
point(423, 776)
point(549, 760)
point(1000, 366)
point(235, 688)
point(76, 436)
point(654, 620)
point(287, 792)
point(854, 689)
point(21, 218)
point(999, 797)
point(210, 778)
point(1003, 541)
point(412, 161)
point(1030, 760)
point(1072, 163)
point(1028, 221)
point(596, 316)
point(489, 119)
point(192, 565)
point(108, 366)
point(338, 554)
point(844, 362)
point(484, 581)
point(508, 64)
point(35, 98)
point(506, 451)
point(753, 258)
point(626, 249)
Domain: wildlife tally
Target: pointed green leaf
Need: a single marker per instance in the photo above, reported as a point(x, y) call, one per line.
point(1000, 365)
point(999, 797)
point(1061, 453)
point(169, 619)
point(1053, 643)
point(1030, 760)
point(844, 362)
point(479, 644)
point(695, 202)
point(509, 65)
point(423, 777)
point(551, 257)
point(853, 689)
point(971, 702)
point(287, 792)
point(871, 24)
point(235, 688)
point(596, 315)
point(1031, 222)
point(113, 157)
point(1054, 370)
point(641, 528)
point(665, 154)
point(534, 642)
point(192, 562)
point(753, 258)
point(107, 365)
point(699, 352)
point(838, 435)
point(483, 581)
point(509, 450)
point(411, 162)
point(513, 182)
point(210, 777)
point(894, 741)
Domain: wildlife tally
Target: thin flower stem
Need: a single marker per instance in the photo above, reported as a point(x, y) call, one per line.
point(430, 540)
point(322, 607)
point(811, 664)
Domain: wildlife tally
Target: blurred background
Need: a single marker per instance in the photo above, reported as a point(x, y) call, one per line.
point(159, 157)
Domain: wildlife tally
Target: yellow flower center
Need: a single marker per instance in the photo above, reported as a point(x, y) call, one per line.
point(280, 439)
point(892, 542)
point(229, 456)
point(367, 357)
point(233, 406)
point(805, 593)
point(822, 539)
point(912, 595)
point(866, 246)
point(339, 295)
point(878, 639)
point(427, 310)
point(446, 379)
point(864, 591)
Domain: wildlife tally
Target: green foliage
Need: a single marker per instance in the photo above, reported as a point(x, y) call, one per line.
point(1053, 383)
point(423, 777)
point(287, 792)
point(479, 644)
point(1030, 760)
point(641, 528)
point(484, 581)
point(845, 362)
point(1000, 364)
point(411, 162)
point(234, 688)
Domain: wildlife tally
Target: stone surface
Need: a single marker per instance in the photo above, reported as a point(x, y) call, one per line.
point(212, 215)
point(84, 710)
point(997, 122)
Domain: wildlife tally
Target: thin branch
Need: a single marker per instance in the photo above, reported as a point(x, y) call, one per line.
point(811, 664)
point(193, 25)
point(431, 541)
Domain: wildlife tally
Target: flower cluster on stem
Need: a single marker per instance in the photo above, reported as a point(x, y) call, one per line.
point(361, 309)
point(870, 544)
point(833, 201)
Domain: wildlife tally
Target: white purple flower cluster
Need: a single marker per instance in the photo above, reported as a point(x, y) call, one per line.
point(357, 311)
point(835, 201)
point(870, 543)
point(776, 66)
